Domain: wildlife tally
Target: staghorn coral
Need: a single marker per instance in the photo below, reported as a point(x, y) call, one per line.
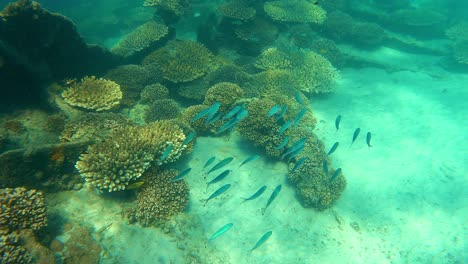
point(127, 152)
point(22, 208)
point(141, 38)
point(93, 94)
point(154, 92)
point(162, 109)
point(12, 249)
point(236, 9)
point(159, 199)
point(226, 93)
point(181, 61)
point(178, 7)
point(295, 11)
point(93, 126)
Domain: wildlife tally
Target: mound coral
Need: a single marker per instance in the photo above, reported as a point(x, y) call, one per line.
point(181, 61)
point(226, 93)
point(159, 198)
point(141, 38)
point(22, 208)
point(236, 9)
point(12, 250)
point(295, 11)
point(127, 152)
point(93, 94)
point(162, 109)
point(154, 92)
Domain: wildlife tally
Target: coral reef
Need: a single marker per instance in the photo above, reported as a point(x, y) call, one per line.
point(159, 198)
point(367, 34)
point(226, 93)
point(154, 92)
point(127, 152)
point(93, 126)
point(295, 11)
point(12, 250)
point(338, 25)
point(22, 208)
point(178, 7)
point(236, 9)
point(141, 38)
point(162, 109)
point(328, 49)
point(181, 61)
point(81, 246)
point(200, 125)
point(93, 94)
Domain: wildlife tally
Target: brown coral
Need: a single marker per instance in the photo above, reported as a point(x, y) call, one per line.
point(93, 94)
point(225, 93)
point(154, 92)
point(12, 250)
point(295, 11)
point(159, 198)
point(22, 208)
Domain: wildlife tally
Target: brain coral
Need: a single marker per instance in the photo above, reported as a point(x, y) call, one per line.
point(93, 94)
point(181, 61)
point(127, 152)
point(140, 38)
point(226, 93)
point(22, 208)
point(295, 11)
point(159, 198)
point(237, 9)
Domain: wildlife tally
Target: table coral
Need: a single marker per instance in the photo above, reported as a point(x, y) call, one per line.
point(127, 152)
point(159, 198)
point(295, 11)
point(93, 94)
point(141, 38)
point(236, 9)
point(22, 208)
point(178, 7)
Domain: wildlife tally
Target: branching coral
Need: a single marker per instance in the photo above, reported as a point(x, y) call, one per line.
point(127, 152)
point(181, 61)
point(237, 9)
point(272, 59)
point(142, 37)
point(93, 94)
point(295, 11)
point(159, 198)
point(226, 93)
point(11, 249)
point(22, 208)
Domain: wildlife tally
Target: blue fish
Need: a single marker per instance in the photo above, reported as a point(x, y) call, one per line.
point(296, 152)
point(181, 175)
point(273, 195)
point(256, 194)
point(337, 122)
point(205, 112)
point(299, 144)
point(283, 143)
point(233, 112)
point(368, 139)
point(299, 116)
point(166, 152)
point(261, 240)
point(211, 119)
point(228, 125)
point(242, 114)
point(333, 148)
point(249, 159)
point(298, 97)
point(217, 193)
point(209, 161)
point(274, 110)
point(355, 135)
point(325, 167)
point(298, 164)
point(335, 174)
point(220, 164)
point(285, 126)
point(220, 177)
point(189, 138)
point(221, 231)
point(283, 112)
point(213, 110)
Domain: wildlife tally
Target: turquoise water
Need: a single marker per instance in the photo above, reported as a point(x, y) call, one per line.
point(395, 70)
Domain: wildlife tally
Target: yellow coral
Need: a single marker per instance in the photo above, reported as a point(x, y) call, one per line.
point(182, 61)
point(142, 37)
point(93, 94)
point(226, 93)
point(295, 11)
point(272, 58)
point(237, 9)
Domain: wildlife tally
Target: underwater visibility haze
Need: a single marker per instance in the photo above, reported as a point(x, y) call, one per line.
point(233, 131)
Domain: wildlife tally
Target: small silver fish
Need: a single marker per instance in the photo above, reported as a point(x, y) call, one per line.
point(273, 195)
point(274, 110)
point(333, 148)
point(284, 108)
point(283, 143)
point(205, 112)
point(228, 125)
point(298, 97)
point(256, 194)
point(285, 126)
point(166, 152)
point(355, 134)
point(249, 159)
point(299, 144)
point(261, 240)
point(189, 138)
point(220, 177)
point(325, 167)
point(221, 231)
point(211, 119)
point(368, 139)
point(335, 174)
point(299, 116)
point(233, 112)
point(242, 114)
point(298, 164)
point(181, 175)
point(217, 193)
point(209, 161)
point(221, 164)
point(337, 122)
